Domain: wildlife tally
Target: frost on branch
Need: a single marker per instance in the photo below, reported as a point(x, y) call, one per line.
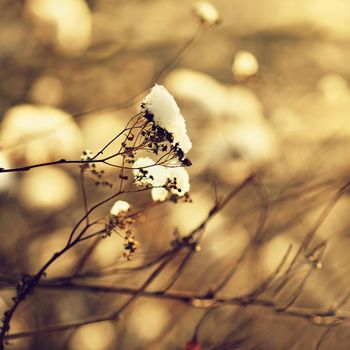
point(161, 108)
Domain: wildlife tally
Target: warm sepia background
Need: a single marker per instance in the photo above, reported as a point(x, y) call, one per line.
point(265, 90)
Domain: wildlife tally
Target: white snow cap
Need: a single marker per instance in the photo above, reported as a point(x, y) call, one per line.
point(158, 175)
point(159, 194)
point(167, 115)
point(182, 180)
point(155, 173)
point(182, 183)
point(206, 12)
point(119, 206)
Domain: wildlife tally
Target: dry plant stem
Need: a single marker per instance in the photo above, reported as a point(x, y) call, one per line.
point(149, 280)
point(121, 176)
point(217, 207)
point(163, 263)
point(177, 249)
point(131, 100)
point(108, 199)
point(80, 162)
point(317, 254)
point(29, 287)
point(267, 282)
point(94, 245)
point(264, 208)
point(123, 270)
point(59, 327)
point(215, 288)
point(202, 320)
point(61, 161)
point(193, 40)
point(179, 270)
point(95, 234)
point(326, 334)
point(249, 297)
point(83, 190)
point(298, 290)
point(244, 301)
point(220, 205)
point(115, 315)
point(81, 263)
point(342, 302)
point(253, 295)
point(307, 314)
point(200, 230)
point(309, 236)
point(88, 213)
point(176, 59)
point(128, 129)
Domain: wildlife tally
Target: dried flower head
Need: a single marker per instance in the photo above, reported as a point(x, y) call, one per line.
point(86, 155)
point(244, 64)
point(121, 222)
point(181, 180)
point(160, 107)
point(147, 172)
point(206, 12)
point(163, 179)
point(130, 245)
point(120, 206)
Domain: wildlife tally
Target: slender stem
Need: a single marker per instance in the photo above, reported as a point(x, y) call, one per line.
point(308, 314)
point(29, 287)
point(83, 190)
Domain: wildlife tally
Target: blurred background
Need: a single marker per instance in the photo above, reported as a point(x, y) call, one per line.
point(264, 90)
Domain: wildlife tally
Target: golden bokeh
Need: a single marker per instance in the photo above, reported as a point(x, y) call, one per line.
point(260, 248)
